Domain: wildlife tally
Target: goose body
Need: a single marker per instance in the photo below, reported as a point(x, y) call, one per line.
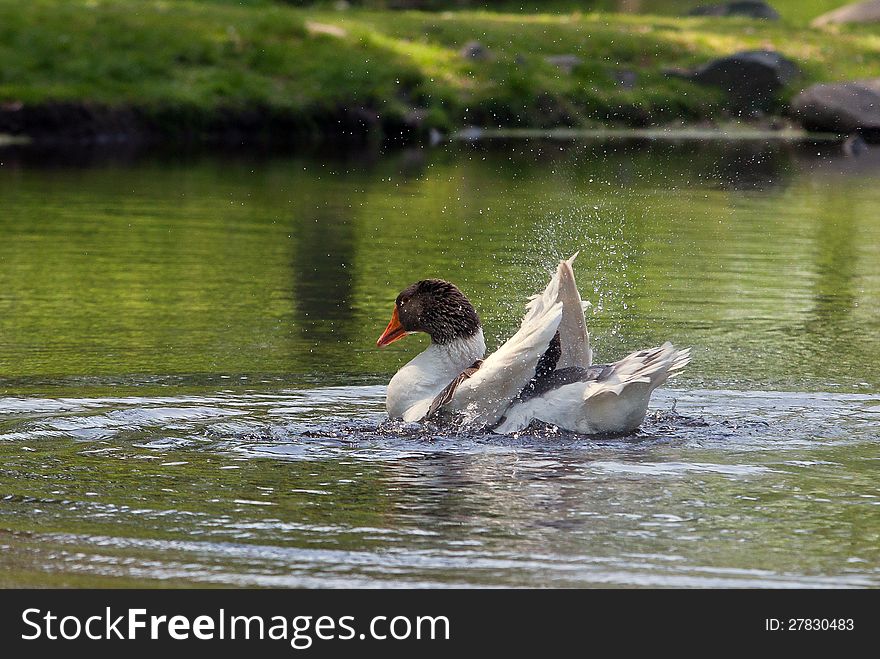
point(544, 372)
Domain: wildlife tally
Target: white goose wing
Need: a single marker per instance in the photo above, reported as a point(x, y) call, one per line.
point(613, 398)
point(573, 336)
point(484, 397)
point(574, 340)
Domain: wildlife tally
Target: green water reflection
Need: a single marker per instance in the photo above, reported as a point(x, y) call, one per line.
point(767, 267)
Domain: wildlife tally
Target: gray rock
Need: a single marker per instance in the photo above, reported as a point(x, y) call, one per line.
point(435, 137)
point(470, 134)
point(859, 12)
point(855, 146)
point(474, 50)
point(565, 62)
point(744, 8)
point(845, 107)
point(751, 78)
point(626, 79)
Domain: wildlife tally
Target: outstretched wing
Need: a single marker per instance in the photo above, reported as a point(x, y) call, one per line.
point(573, 336)
point(574, 340)
point(484, 397)
point(613, 398)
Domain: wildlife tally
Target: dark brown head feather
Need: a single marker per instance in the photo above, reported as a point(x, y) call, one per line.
point(439, 309)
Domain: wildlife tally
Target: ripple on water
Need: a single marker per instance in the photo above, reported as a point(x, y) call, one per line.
point(267, 488)
point(296, 424)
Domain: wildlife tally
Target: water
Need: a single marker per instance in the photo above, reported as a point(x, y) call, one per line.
point(190, 391)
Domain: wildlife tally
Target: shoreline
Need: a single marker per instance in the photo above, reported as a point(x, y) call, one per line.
point(88, 124)
point(70, 125)
point(720, 132)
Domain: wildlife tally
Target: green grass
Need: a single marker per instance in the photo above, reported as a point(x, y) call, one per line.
point(183, 62)
point(793, 12)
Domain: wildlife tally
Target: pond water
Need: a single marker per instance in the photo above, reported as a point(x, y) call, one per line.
point(190, 391)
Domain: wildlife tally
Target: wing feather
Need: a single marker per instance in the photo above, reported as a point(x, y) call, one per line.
point(484, 397)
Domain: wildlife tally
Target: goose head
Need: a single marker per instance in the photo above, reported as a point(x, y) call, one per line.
point(435, 307)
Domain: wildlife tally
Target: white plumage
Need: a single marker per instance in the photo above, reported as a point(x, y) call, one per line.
point(615, 402)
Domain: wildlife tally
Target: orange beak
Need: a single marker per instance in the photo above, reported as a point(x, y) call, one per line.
point(393, 332)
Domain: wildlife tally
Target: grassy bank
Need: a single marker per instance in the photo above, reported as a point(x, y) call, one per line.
point(199, 67)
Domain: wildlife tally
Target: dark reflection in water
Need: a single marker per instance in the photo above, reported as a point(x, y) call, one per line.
point(737, 165)
point(753, 166)
point(835, 289)
point(323, 269)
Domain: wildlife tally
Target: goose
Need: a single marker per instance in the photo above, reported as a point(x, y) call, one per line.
point(543, 373)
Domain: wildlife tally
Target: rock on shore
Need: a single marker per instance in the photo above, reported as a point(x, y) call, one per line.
point(859, 12)
point(750, 78)
point(845, 107)
point(748, 9)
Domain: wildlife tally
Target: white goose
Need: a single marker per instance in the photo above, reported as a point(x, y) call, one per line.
point(544, 372)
